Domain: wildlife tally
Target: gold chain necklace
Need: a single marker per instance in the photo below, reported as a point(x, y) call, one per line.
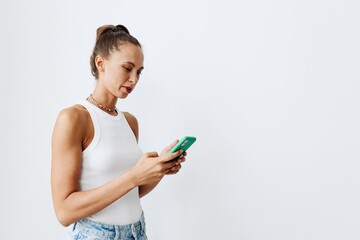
point(114, 109)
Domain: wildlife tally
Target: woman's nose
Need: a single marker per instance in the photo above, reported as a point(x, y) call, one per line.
point(133, 78)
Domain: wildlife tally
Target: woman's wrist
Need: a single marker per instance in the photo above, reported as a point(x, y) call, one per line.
point(133, 178)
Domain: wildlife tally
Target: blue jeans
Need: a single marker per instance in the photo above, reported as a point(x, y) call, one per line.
point(88, 229)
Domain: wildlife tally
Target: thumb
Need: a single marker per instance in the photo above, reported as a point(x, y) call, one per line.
point(168, 148)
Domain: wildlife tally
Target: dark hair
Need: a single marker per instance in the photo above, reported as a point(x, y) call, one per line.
point(108, 38)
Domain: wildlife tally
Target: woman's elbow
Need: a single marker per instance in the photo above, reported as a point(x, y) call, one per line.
point(64, 218)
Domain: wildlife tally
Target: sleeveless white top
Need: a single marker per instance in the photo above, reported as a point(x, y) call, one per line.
point(112, 152)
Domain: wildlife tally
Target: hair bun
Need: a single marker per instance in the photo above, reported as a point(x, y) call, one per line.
point(121, 28)
point(118, 28)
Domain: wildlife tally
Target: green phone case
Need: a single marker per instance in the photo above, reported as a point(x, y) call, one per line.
point(183, 144)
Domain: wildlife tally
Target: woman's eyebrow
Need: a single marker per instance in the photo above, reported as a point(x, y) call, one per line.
point(134, 65)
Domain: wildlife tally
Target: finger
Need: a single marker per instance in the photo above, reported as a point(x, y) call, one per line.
point(170, 164)
point(182, 159)
point(151, 154)
point(173, 170)
point(182, 156)
point(174, 143)
point(168, 148)
point(176, 169)
point(171, 156)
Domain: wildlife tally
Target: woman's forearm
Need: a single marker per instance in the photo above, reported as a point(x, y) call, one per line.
point(82, 204)
point(147, 188)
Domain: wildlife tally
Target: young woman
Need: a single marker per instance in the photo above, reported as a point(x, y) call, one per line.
point(98, 171)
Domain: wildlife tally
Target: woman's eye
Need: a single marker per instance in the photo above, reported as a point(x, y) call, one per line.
point(127, 69)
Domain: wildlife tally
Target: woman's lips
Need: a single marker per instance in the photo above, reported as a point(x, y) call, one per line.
point(128, 89)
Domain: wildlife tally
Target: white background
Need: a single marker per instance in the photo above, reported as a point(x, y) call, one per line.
point(270, 88)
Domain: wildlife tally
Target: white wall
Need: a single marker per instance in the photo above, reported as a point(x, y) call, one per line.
point(270, 88)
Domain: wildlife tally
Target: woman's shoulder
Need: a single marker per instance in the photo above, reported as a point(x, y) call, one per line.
point(129, 116)
point(131, 119)
point(71, 124)
point(73, 114)
point(133, 123)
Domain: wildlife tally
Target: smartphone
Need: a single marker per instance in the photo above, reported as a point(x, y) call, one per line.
point(183, 144)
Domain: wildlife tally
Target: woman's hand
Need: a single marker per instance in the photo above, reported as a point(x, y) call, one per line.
point(151, 167)
point(175, 169)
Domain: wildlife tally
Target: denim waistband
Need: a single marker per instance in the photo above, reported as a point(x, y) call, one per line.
point(110, 226)
point(94, 228)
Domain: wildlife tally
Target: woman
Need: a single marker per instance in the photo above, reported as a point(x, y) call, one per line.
point(98, 172)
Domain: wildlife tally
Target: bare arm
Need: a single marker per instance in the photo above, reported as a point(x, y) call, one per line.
point(67, 144)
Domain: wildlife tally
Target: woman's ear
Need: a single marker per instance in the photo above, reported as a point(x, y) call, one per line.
point(100, 63)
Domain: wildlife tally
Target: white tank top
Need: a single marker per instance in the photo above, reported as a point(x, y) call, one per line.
point(112, 152)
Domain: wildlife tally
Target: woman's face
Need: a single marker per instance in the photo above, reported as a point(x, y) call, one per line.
point(121, 70)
